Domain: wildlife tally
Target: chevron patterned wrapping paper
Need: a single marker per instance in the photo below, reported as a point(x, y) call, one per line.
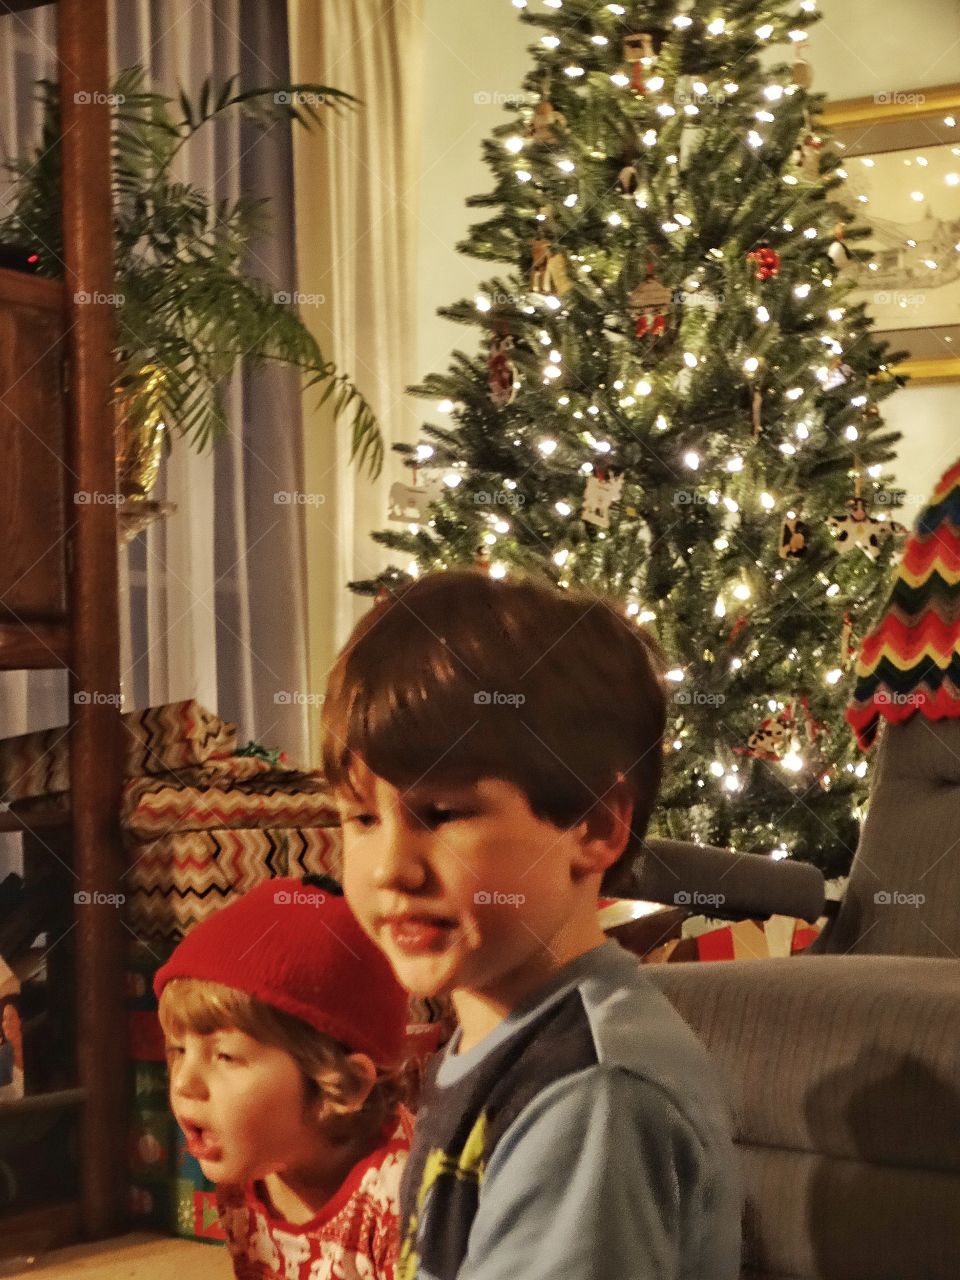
point(910, 662)
point(152, 807)
point(177, 735)
point(178, 880)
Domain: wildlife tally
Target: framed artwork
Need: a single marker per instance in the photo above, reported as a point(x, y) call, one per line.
point(901, 161)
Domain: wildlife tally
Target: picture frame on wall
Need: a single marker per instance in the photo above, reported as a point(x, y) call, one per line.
point(901, 156)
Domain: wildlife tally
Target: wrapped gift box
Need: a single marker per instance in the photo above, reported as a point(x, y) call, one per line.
point(745, 940)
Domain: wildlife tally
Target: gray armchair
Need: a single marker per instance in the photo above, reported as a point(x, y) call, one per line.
point(845, 1064)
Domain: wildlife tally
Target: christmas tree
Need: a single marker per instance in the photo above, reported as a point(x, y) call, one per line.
point(676, 400)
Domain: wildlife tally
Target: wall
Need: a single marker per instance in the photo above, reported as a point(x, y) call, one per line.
point(860, 47)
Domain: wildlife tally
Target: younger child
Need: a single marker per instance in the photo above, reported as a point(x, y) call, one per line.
point(282, 1022)
point(496, 748)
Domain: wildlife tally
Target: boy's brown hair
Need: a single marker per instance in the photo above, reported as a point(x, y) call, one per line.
point(459, 676)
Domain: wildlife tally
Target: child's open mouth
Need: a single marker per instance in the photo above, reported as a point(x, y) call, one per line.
point(417, 934)
point(200, 1142)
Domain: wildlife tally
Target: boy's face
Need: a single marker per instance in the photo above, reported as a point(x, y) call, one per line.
point(465, 889)
point(240, 1104)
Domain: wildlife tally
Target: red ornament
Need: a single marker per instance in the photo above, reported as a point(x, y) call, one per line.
point(767, 261)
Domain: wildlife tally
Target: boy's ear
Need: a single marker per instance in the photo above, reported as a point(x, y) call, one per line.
point(604, 832)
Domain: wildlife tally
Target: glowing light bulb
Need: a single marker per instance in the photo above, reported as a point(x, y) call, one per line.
point(547, 447)
point(452, 479)
point(692, 460)
point(482, 302)
point(802, 291)
point(643, 387)
point(751, 364)
point(764, 32)
point(767, 501)
point(690, 360)
point(754, 139)
point(514, 145)
point(551, 42)
point(735, 464)
point(834, 676)
point(676, 675)
point(445, 406)
point(717, 769)
point(741, 591)
point(573, 72)
point(763, 315)
point(717, 27)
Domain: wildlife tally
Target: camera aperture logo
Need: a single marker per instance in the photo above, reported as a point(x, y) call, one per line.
point(94, 898)
point(305, 897)
point(895, 898)
point(697, 698)
point(495, 698)
point(494, 898)
point(694, 898)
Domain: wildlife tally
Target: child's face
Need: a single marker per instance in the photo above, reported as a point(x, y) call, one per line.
point(240, 1104)
point(466, 889)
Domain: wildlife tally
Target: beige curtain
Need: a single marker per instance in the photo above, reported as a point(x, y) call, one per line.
point(355, 198)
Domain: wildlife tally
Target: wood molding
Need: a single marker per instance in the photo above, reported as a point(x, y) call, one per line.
point(915, 104)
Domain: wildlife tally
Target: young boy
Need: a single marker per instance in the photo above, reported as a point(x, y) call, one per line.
point(496, 750)
point(282, 1021)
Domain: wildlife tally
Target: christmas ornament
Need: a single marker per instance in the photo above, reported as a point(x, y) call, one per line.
point(756, 411)
point(838, 373)
point(767, 261)
point(602, 490)
point(837, 251)
point(770, 740)
point(793, 537)
point(502, 380)
point(815, 729)
point(691, 139)
point(802, 73)
point(857, 528)
point(628, 180)
point(546, 121)
point(848, 643)
point(409, 503)
point(548, 271)
point(649, 304)
point(640, 52)
point(806, 156)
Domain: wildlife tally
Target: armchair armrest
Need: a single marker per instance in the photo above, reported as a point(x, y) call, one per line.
point(719, 882)
point(844, 1071)
point(856, 1057)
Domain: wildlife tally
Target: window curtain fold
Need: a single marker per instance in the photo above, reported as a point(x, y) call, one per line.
point(213, 599)
point(355, 188)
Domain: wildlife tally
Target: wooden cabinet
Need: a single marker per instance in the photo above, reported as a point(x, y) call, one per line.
point(33, 581)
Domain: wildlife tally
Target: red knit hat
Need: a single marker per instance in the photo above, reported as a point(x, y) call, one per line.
point(300, 949)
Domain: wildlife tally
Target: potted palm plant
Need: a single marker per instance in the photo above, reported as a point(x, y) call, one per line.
point(187, 308)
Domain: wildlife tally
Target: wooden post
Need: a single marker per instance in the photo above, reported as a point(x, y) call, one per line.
point(95, 740)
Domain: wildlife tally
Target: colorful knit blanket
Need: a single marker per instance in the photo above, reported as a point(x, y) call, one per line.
point(910, 662)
